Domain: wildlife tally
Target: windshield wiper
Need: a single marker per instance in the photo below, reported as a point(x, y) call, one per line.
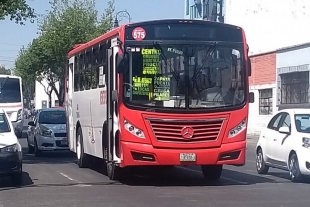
point(157, 46)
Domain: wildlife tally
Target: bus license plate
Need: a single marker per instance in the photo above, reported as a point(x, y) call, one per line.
point(187, 157)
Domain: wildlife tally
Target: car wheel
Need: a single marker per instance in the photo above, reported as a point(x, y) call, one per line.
point(30, 148)
point(294, 169)
point(37, 152)
point(212, 172)
point(261, 166)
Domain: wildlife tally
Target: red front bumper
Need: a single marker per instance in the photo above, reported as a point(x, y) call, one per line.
point(132, 154)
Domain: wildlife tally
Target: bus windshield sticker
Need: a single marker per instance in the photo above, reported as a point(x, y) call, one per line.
point(161, 89)
point(151, 60)
point(139, 33)
point(142, 86)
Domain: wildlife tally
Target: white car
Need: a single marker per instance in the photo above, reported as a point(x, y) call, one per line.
point(10, 151)
point(285, 144)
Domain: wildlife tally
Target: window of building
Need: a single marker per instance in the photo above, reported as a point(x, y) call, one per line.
point(265, 101)
point(294, 87)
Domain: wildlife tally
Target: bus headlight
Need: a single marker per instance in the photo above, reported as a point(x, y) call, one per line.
point(133, 129)
point(237, 129)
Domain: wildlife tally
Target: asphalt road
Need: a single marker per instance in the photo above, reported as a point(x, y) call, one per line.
point(55, 180)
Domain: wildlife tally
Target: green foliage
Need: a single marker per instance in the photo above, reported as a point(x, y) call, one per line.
point(17, 10)
point(4, 71)
point(69, 22)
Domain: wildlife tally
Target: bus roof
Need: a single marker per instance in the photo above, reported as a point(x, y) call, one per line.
point(114, 32)
point(10, 76)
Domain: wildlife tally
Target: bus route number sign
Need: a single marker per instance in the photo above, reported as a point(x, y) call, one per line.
point(138, 33)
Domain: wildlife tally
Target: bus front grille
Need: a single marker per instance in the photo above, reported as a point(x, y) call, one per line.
point(186, 131)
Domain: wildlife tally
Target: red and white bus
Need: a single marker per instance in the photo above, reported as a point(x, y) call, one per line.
point(164, 92)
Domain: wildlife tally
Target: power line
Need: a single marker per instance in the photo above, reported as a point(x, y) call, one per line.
point(7, 57)
point(4, 43)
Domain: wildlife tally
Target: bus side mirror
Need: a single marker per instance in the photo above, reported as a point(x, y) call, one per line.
point(249, 67)
point(251, 97)
point(122, 63)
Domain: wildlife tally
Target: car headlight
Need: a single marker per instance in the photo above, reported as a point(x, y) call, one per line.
point(237, 129)
point(19, 114)
point(45, 132)
point(133, 129)
point(9, 149)
point(306, 142)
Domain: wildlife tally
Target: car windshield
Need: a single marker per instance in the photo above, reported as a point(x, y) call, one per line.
point(10, 90)
point(52, 117)
point(4, 125)
point(302, 123)
point(185, 76)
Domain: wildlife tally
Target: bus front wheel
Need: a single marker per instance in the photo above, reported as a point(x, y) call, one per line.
point(82, 158)
point(212, 172)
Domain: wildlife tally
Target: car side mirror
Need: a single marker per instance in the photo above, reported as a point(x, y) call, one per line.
point(284, 130)
point(31, 123)
point(251, 97)
point(122, 63)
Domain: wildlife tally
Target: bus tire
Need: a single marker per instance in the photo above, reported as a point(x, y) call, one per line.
point(212, 172)
point(82, 158)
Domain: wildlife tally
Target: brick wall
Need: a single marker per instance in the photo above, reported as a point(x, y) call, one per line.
point(263, 77)
point(263, 69)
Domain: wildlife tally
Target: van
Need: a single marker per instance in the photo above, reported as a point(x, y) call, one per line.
point(10, 151)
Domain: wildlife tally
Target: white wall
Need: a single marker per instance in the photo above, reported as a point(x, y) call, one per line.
point(293, 57)
point(257, 122)
point(40, 94)
point(270, 24)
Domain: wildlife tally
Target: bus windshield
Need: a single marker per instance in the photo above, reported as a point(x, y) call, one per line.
point(191, 76)
point(10, 90)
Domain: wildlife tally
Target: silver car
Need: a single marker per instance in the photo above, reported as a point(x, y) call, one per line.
point(47, 131)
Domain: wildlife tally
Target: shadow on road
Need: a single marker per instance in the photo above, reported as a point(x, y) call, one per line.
point(6, 184)
point(57, 157)
point(167, 177)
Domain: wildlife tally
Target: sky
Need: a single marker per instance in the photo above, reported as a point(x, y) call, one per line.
point(13, 36)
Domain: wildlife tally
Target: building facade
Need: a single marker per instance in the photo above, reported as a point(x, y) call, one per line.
point(263, 85)
point(293, 66)
point(278, 28)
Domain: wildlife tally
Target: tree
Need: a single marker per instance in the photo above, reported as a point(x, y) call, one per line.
point(4, 71)
point(17, 10)
point(68, 23)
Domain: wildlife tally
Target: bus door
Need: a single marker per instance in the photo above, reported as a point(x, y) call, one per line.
point(69, 92)
point(112, 144)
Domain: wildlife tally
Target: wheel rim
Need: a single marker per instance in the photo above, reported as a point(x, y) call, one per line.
point(293, 168)
point(78, 147)
point(259, 161)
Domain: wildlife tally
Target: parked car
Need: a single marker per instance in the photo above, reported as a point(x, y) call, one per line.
point(10, 151)
point(285, 144)
point(47, 132)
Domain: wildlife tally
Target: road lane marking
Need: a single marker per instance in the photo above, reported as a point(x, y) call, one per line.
point(79, 184)
point(251, 161)
point(67, 176)
point(224, 178)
